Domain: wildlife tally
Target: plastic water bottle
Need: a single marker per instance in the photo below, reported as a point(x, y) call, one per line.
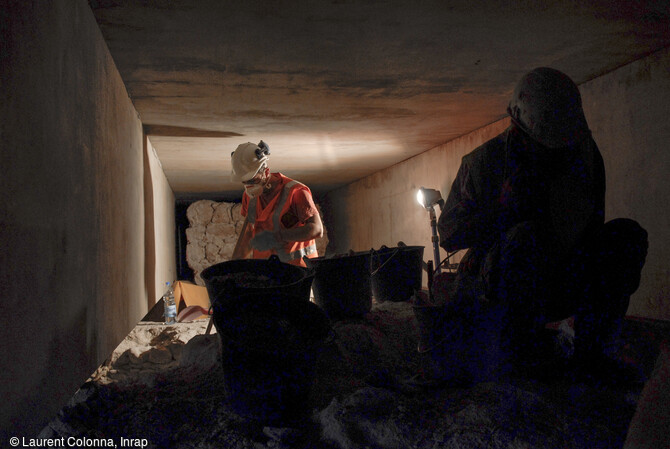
point(169, 306)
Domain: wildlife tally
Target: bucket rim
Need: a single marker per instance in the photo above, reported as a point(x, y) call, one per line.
point(274, 287)
point(338, 257)
point(385, 248)
point(207, 273)
point(297, 276)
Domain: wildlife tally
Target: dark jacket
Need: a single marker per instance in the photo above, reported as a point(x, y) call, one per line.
point(512, 179)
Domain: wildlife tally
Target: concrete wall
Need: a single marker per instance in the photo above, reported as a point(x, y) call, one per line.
point(160, 246)
point(71, 208)
point(382, 209)
point(628, 112)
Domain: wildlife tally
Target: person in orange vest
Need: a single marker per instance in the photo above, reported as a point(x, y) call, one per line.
point(280, 215)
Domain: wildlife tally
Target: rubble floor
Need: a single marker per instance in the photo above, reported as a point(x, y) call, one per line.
point(164, 385)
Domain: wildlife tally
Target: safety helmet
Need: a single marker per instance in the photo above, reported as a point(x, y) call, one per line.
point(248, 159)
point(546, 104)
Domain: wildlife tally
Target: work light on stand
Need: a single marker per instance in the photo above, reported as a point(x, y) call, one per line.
point(428, 198)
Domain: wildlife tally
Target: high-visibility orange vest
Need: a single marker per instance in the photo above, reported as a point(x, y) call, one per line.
point(290, 252)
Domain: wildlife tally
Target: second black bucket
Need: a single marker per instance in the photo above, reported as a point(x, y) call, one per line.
point(396, 272)
point(270, 346)
point(342, 284)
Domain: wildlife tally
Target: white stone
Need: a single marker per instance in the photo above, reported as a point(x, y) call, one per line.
point(194, 234)
point(226, 251)
point(200, 212)
point(220, 230)
point(222, 213)
point(194, 254)
point(211, 252)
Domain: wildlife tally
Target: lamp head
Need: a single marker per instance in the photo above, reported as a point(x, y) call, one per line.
point(428, 198)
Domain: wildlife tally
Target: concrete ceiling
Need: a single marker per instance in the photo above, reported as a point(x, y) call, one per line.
point(343, 88)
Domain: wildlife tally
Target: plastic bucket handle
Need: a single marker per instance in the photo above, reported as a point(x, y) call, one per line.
point(376, 253)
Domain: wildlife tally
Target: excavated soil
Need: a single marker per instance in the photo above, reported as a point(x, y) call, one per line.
point(165, 384)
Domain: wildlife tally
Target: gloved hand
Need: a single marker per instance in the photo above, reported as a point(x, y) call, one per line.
point(265, 241)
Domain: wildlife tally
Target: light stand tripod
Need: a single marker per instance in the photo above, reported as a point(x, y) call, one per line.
point(428, 198)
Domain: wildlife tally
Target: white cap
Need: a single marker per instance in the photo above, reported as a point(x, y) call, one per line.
point(248, 159)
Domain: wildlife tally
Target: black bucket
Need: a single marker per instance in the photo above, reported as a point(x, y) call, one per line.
point(396, 272)
point(270, 346)
point(431, 317)
point(228, 280)
point(342, 285)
